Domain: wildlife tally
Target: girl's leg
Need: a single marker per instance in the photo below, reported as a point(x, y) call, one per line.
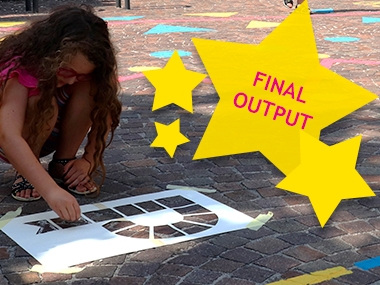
point(44, 134)
point(75, 123)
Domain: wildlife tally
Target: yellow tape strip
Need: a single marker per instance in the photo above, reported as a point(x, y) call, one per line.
point(41, 269)
point(100, 206)
point(157, 242)
point(9, 217)
point(179, 187)
point(259, 221)
point(315, 277)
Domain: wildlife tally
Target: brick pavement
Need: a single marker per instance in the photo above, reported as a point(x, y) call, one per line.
point(289, 245)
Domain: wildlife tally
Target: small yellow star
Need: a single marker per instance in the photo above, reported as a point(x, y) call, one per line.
point(174, 84)
point(169, 137)
point(327, 175)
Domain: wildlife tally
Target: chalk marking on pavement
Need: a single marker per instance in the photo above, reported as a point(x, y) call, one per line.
point(315, 277)
point(328, 62)
point(368, 263)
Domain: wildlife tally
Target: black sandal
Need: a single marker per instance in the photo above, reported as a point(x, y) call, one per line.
point(20, 186)
point(61, 182)
point(286, 2)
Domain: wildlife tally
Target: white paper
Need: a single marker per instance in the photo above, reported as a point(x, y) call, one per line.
point(131, 224)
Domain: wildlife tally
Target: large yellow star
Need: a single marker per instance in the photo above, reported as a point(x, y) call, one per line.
point(327, 175)
point(174, 84)
point(271, 91)
point(169, 137)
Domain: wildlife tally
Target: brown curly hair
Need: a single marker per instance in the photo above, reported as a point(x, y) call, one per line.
point(45, 44)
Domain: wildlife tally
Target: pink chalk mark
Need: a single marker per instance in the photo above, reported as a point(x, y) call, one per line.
point(207, 80)
point(328, 62)
point(131, 77)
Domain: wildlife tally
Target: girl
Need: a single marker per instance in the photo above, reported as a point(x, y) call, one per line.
point(58, 80)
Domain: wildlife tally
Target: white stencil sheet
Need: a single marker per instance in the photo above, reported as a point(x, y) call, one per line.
point(122, 226)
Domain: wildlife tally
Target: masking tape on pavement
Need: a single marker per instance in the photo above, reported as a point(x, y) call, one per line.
point(259, 221)
point(9, 217)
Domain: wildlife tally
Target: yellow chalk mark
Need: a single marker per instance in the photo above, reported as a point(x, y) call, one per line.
point(10, 24)
point(321, 55)
point(100, 206)
point(261, 24)
point(143, 68)
point(315, 277)
point(157, 242)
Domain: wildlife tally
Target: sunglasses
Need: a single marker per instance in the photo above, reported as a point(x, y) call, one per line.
point(69, 72)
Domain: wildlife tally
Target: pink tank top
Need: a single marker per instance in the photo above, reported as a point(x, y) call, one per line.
point(24, 78)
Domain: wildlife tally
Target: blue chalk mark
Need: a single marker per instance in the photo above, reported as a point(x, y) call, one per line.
point(163, 29)
point(169, 53)
point(322, 11)
point(369, 20)
point(342, 39)
point(122, 18)
point(369, 263)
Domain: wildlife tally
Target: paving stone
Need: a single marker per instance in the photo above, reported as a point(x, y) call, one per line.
point(200, 276)
point(4, 253)
point(228, 281)
point(330, 246)
point(361, 240)
point(162, 280)
point(316, 265)
point(156, 255)
point(207, 250)
point(53, 277)
point(23, 278)
point(241, 255)
point(174, 269)
point(221, 265)
point(304, 253)
point(370, 251)
point(14, 265)
point(252, 273)
point(345, 259)
point(327, 232)
point(92, 281)
point(359, 277)
point(138, 269)
point(229, 241)
point(356, 227)
point(268, 245)
point(191, 260)
point(127, 280)
point(300, 238)
point(286, 226)
point(277, 263)
point(96, 271)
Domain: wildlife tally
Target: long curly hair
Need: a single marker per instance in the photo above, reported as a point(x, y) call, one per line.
point(43, 46)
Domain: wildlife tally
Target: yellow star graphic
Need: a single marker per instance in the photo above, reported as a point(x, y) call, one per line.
point(271, 91)
point(174, 84)
point(169, 137)
point(327, 175)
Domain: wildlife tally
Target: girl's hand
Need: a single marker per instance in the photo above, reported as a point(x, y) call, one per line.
point(63, 204)
point(76, 175)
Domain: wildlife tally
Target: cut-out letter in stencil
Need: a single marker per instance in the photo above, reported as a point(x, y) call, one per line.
point(123, 226)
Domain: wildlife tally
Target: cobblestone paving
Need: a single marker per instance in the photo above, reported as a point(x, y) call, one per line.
point(292, 242)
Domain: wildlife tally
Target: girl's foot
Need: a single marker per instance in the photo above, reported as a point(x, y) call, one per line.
point(23, 190)
point(56, 168)
point(288, 3)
